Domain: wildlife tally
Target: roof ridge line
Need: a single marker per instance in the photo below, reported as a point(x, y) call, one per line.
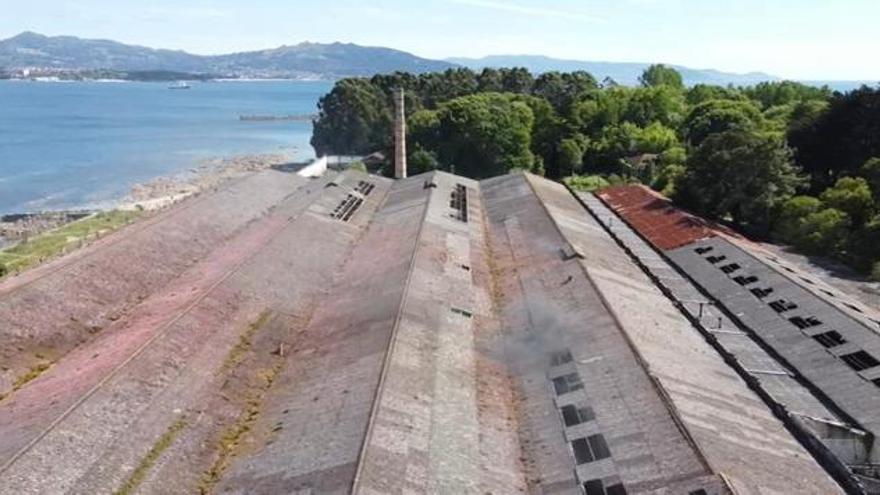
point(392, 340)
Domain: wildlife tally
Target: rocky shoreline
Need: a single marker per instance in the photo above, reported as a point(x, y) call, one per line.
point(155, 194)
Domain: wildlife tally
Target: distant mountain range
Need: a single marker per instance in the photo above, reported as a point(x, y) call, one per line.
point(302, 61)
point(87, 58)
point(626, 73)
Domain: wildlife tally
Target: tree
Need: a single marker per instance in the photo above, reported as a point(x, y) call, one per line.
point(851, 196)
point(661, 75)
point(667, 180)
point(777, 118)
point(780, 93)
point(609, 82)
point(436, 88)
point(547, 131)
point(579, 82)
point(517, 80)
point(616, 142)
point(716, 116)
point(563, 89)
point(423, 128)
point(871, 172)
point(824, 232)
point(599, 109)
point(490, 81)
point(674, 155)
point(485, 134)
point(571, 154)
point(739, 175)
point(421, 160)
point(805, 114)
point(656, 139)
point(790, 219)
point(353, 119)
point(662, 104)
point(863, 251)
point(841, 139)
point(387, 83)
point(628, 139)
point(700, 93)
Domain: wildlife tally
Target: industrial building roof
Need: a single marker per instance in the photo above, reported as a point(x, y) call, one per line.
point(817, 350)
point(656, 218)
point(353, 334)
point(795, 323)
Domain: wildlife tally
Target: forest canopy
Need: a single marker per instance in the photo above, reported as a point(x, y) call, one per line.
point(780, 160)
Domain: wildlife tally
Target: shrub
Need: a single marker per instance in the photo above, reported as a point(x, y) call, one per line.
point(587, 183)
point(851, 195)
point(667, 179)
point(791, 216)
point(358, 165)
point(824, 232)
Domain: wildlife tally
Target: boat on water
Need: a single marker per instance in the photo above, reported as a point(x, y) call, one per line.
point(180, 85)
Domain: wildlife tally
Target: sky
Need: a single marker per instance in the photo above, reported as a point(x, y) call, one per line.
point(797, 39)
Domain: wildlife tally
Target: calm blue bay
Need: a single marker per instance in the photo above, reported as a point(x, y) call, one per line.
point(66, 145)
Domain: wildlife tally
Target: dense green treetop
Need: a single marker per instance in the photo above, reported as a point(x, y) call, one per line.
point(705, 92)
point(717, 116)
point(822, 232)
point(841, 139)
point(484, 135)
point(771, 94)
point(791, 215)
point(851, 195)
point(871, 172)
point(354, 118)
point(740, 176)
point(661, 75)
point(733, 154)
point(562, 89)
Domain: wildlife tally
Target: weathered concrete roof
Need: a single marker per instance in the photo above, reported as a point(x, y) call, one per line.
point(83, 425)
point(430, 335)
point(727, 424)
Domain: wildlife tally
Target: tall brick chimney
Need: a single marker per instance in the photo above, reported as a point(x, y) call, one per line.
point(399, 135)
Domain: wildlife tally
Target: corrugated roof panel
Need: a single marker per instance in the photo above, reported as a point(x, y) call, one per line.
point(654, 217)
point(822, 366)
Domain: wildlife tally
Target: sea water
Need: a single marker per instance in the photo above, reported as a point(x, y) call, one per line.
point(68, 145)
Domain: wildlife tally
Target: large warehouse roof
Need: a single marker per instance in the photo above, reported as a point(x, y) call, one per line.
point(356, 334)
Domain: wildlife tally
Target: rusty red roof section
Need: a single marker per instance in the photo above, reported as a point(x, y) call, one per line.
point(654, 216)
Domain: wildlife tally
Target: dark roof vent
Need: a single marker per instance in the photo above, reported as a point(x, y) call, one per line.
point(336, 181)
point(570, 252)
point(860, 360)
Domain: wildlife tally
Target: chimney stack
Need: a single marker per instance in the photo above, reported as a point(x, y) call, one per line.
point(399, 135)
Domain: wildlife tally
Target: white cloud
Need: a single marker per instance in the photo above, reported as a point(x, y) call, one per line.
point(527, 10)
